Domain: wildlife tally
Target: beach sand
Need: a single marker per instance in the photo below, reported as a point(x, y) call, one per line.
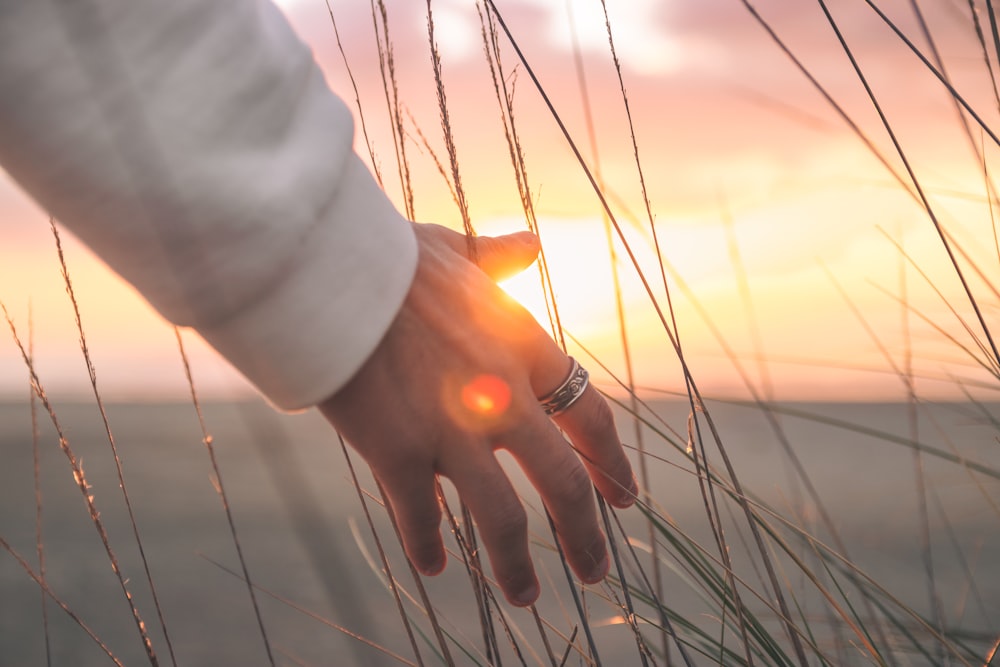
point(300, 524)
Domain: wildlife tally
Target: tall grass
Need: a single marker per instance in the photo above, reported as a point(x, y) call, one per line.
point(721, 562)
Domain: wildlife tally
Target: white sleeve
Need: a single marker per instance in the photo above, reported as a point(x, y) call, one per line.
point(196, 148)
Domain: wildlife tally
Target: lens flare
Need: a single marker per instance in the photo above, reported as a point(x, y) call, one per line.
point(486, 396)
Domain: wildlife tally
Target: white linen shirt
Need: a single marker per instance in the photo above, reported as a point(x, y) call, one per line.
point(196, 148)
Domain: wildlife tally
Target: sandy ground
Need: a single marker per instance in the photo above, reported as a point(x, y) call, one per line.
point(304, 534)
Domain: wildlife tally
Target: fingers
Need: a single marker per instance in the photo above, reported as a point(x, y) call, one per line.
point(499, 257)
point(590, 425)
point(564, 482)
point(567, 491)
point(412, 493)
point(502, 522)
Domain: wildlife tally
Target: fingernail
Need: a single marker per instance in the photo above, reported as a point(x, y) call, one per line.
point(599, 572)
point(625, 496)
point(434, 568)
point(629, 497)
point(527, 238)
point(526, 597)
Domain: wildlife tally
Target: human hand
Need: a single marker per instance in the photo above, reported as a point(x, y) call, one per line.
point(456, 378)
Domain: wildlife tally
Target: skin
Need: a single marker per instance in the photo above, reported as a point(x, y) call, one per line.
point(408, 413)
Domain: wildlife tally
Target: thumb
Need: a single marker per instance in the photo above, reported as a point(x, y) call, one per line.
point(504, 256)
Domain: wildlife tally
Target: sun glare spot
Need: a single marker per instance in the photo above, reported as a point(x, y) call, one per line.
point(486, 396)
point(577, 255)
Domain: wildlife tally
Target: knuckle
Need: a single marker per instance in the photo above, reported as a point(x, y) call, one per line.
point(576, 490)
point(420, 535)
point(523, 328)
point(593, 552)
point(425, 522)
point(621, 471)
point(510, 522)
point(486, 245)
point(598, 417)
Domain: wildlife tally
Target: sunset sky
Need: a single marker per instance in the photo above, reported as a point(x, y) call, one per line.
point(750, 173)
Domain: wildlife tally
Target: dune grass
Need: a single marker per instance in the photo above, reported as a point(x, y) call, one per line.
point(764, 577)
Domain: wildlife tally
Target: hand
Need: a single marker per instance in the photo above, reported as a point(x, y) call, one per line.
point(457, 377)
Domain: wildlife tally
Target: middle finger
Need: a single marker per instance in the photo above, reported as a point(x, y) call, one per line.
point(566, 489)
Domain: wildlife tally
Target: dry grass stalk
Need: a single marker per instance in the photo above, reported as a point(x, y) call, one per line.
point(80, 479)
point(221, 490)
point(92, 373)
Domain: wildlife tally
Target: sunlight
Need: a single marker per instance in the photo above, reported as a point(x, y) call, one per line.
point(577, 257)
point(579, 264)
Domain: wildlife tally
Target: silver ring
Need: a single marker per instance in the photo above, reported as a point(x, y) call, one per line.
point(568, 392)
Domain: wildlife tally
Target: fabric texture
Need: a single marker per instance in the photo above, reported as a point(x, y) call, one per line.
point(195, 147)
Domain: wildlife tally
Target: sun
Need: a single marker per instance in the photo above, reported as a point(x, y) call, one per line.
point(579, 265)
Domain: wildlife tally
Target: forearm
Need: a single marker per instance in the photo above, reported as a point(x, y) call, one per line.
point(195, 147)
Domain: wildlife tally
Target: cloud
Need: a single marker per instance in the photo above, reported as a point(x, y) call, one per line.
point(641, 29)
point(642, 37)
point(456, 29)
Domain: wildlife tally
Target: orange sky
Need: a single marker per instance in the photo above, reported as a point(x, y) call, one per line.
point(747, 166)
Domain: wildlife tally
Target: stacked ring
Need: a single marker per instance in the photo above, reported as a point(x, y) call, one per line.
point(568, 392)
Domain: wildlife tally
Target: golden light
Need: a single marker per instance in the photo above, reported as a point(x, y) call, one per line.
point(576, 253)
point(579, 266)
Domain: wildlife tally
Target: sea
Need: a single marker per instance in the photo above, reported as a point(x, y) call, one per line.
point(908, 496)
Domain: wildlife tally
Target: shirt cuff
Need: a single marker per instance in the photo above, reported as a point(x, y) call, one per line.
point(308, 335)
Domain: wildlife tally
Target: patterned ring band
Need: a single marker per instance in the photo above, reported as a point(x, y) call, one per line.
point(568, 392)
